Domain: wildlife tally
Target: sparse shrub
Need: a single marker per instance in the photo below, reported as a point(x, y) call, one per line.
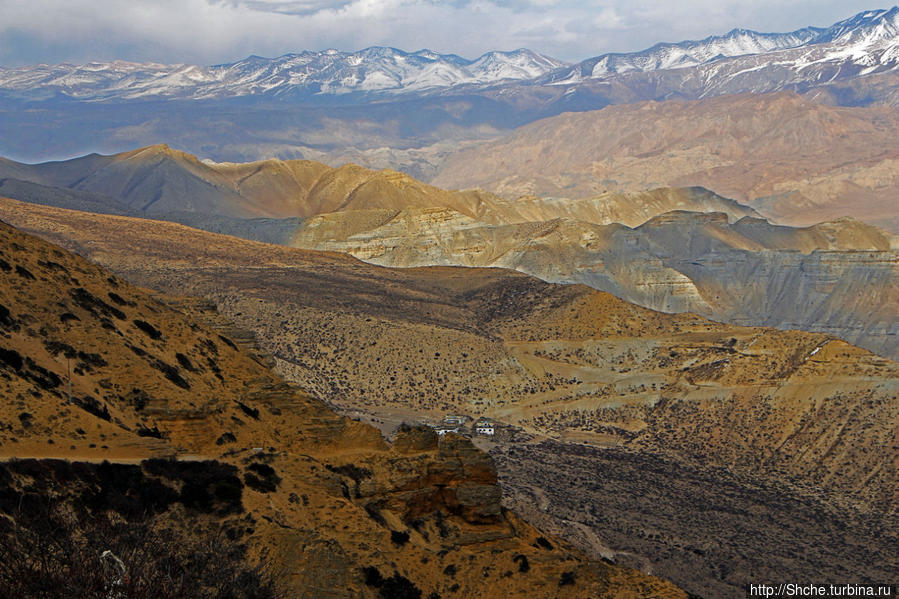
point(138, 398)
point(213, 366)
point(228, 342)
point(88, 360)
point(150, 432)
point(5, 317)
point(372, 576)
point(185, 362)
point(50, 265)
point(262, 478)
point(398, 587)
point(40, 376)
point(148, 329)
point(399, 538)
point(94, 305)
point(92, 406)
point(24, 272)
point(226, 437)
point(263, 470)
point(567, 578)
point(115, 297)
point(522, 561)
point(251, 412)
point(542, 542)
point(170, 372)
point(11, 358)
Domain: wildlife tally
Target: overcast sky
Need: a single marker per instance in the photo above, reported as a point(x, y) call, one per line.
point(216, 31)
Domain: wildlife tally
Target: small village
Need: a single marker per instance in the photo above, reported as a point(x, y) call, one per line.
point(455, 423)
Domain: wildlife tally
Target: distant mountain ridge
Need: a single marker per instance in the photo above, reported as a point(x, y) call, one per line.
point(159, 181)
point(794, 160)
point(315, 104)
point(863, 30)
point(309, 73)
point(865, 43)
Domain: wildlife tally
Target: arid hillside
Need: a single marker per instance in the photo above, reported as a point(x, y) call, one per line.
point(805, 418)
point(94, 369)
point(159, 180)
point(792, 159)
point(718, 267)
point(171, 185)
point(839, 277)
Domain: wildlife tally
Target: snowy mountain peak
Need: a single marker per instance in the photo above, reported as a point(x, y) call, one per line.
point(737, 42)
point(870, 25)
point(869, 28)
point(865, 43)
point(376, 69)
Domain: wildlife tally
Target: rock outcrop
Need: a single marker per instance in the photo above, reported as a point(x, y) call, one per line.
point(839, 277)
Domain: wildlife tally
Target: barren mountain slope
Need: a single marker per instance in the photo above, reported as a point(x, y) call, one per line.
point(808, 418)
point(839, 277)
point(392, 219)
point(171, 185)
point(792, 159)
point(159, 180)
point(155, 375)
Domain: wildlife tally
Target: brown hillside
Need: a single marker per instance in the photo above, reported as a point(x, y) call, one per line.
point(168, 183)
point(310, 311)
point(159, 180)
point(324, 500)
point(842, 276)
point(806, 419)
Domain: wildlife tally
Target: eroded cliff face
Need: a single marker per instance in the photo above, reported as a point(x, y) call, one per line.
point(324, 500)
point(451, 475)
point(840, 277)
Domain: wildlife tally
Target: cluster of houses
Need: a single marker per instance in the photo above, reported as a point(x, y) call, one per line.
point(456, 424)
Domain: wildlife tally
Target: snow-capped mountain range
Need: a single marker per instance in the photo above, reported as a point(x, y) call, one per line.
point(863, 44)
point(867, 34)
point(312, 103)
point(329, 72)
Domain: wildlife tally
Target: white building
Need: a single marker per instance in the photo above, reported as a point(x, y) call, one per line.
point(443, 429)
point(485, 426)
